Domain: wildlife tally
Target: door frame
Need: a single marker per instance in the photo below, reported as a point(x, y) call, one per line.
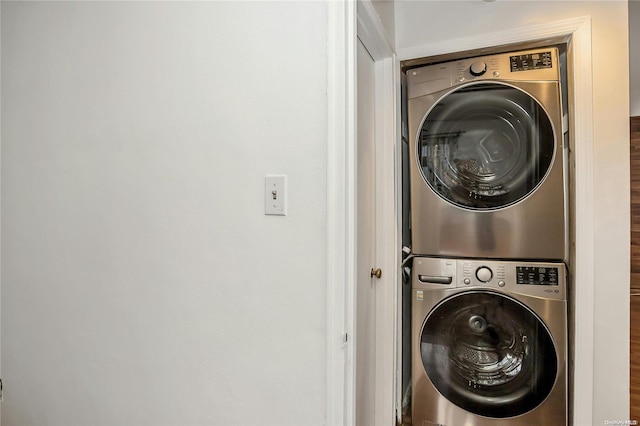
point(341, 204)
point(348, 22)
point(576, 33)
point(341, 189)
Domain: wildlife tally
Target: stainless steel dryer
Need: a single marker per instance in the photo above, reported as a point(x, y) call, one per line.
point(487, 167)
point(489, 343)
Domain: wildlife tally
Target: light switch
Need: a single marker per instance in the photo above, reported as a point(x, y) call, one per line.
point(275, 195)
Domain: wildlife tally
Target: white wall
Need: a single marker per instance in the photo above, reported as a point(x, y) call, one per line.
point(419, 23)
point(634, 57)
point(141, 281)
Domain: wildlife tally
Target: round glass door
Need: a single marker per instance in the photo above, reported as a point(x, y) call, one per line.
point(485, 146)
point(488, 354)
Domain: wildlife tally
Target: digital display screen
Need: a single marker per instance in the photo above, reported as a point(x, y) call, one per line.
point(536, 275)
point(531, 61)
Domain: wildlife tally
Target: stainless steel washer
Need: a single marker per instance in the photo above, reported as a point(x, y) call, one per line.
point(489, 343)
point(487, 164)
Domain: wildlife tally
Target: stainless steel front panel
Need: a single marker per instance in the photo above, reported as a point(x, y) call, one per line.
point(529, 226)
point(530, 374)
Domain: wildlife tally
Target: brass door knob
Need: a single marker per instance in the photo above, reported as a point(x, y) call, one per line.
point(376, 272)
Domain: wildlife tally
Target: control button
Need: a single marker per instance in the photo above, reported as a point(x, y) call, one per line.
point(496, 74)
point(478, 68)
point(460, 79)
point(467, 281)
point(501, 283)
point(484, 274)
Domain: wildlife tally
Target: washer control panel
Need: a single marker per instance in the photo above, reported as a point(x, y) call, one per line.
point(536, 275)
point(484, 274)
point(543, 279)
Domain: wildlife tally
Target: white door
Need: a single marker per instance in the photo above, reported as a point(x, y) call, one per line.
point(370, 153)
point(365, 325)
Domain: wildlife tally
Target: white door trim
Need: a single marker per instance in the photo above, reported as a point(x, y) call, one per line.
point(341, 205)
point(347, 20)
point(372, 33)
point(584, 259)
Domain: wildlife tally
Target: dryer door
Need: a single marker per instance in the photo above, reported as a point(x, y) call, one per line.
point(485, 146)
point(488, 354)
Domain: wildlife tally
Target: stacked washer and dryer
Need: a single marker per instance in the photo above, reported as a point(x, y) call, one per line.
point(489, 232)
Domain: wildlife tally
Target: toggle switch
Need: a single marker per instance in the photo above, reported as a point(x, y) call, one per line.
point(275, 195)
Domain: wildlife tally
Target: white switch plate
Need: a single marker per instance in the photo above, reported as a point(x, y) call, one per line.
point(275, 195)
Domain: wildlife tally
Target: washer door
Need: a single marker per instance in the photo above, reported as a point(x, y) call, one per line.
point(488, 354)
point(485, 146)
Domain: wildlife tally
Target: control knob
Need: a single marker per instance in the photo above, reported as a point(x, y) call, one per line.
point(478, 68)
point(484, 274)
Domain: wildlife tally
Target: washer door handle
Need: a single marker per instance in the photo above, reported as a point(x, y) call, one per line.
point(435, 279)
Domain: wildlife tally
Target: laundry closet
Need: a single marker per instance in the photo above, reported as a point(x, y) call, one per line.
point(500, 159)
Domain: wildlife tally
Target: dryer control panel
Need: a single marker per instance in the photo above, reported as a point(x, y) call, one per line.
point(538, 65)
point(531, 61)
point(531, 65)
